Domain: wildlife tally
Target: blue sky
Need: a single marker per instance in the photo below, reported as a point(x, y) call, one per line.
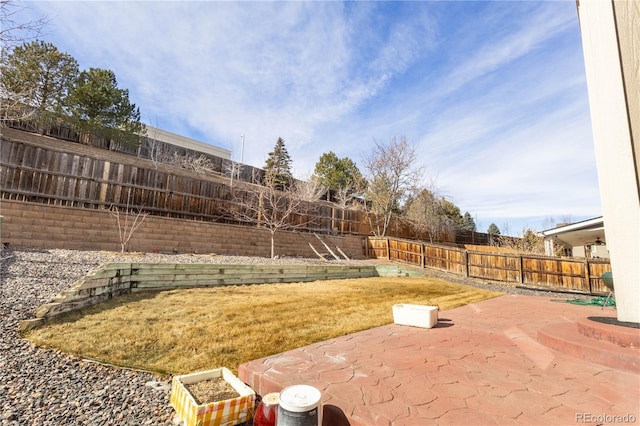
point(492, 94)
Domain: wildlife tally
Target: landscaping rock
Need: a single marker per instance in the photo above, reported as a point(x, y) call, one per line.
point(48, 387)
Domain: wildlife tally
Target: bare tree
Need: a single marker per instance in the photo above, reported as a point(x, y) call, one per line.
point(428, 214)
point(232, 169)
point(128, 222)
point(344, 196)
point(159, 152)
point(200, 164)
point(11, 108)
point(310, 190)
point(14, 32)
point(529, 242)
point(391, 172)
point(273, 209)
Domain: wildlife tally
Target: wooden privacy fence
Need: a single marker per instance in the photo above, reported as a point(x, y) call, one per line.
point(36, 173)
point(38, 169)
point(553, 273)
point(148, 148)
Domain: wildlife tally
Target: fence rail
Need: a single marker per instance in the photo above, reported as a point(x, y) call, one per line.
point(571, 275)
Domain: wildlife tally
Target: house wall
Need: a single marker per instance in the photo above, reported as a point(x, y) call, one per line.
point(627, 15)
point(578, 252)
point(612, 65)
point(46, 226)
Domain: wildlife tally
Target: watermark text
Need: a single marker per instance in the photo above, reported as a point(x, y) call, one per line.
point(605, 418)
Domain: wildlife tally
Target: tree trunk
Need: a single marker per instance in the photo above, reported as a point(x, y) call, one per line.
point(273, 245)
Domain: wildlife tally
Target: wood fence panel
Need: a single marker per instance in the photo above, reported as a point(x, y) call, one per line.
point(60, 164)
point(17, 154)
point(494, 266)
point(84, 185)
point(406, 251)
point(555, 273)
point(72, 180)
point(377, 248)
point(38, 176)
point(96, 177)
point(596, 269)
point(445, 258)
point(538, 272)
point(571, 275)
point(25, 182)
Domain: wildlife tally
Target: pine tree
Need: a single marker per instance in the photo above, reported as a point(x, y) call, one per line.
point(38, 76)
point(468, 223)
point(278, 167)
point(493, 230)
point(337, 173)
point(494, 234)
point(99, 107)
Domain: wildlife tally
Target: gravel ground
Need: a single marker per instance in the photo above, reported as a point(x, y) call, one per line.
point(48, 387)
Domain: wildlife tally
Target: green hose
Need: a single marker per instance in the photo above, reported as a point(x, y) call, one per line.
point(596, 301)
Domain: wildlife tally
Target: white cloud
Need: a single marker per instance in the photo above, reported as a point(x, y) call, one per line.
point(493, 93)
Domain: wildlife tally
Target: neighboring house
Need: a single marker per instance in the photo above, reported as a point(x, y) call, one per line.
point(580, 239)
point(161, 141)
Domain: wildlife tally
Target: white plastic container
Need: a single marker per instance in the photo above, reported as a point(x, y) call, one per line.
point(299, 405)
point(415, 315)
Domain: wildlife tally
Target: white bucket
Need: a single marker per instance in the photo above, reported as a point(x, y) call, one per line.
point(299, 405)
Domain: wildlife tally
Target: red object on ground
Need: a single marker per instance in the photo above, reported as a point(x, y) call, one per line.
point(267, 410)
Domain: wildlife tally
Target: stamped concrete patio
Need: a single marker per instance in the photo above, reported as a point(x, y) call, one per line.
point(486, 363)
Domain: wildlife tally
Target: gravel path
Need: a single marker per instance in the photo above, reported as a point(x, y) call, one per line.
point(48, 387)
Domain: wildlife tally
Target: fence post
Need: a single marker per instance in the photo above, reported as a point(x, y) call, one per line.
point(333, 220)
point(366, 247)
point(388, 248)
point(105, 183)
point(465, 259)
point(422, 255)
point(521, 269)
point(587, 275)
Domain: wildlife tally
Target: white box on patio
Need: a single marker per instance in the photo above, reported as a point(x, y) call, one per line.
point(415, 315)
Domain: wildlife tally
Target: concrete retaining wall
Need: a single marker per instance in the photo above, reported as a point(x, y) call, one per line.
point(50, 226)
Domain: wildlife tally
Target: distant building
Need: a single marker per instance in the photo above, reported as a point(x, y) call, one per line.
point(160, 141)
point(580, 239)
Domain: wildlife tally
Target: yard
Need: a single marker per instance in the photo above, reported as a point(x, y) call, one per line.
point(181, 331)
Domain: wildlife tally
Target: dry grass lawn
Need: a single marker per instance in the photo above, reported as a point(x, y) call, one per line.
point(182, 331)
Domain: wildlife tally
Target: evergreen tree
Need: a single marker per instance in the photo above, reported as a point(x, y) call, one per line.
point(99, 107)
point(468, 223)
point(278, 167)
point(453, 212)
point(337, 173)
point(38, 76)
point(493, 230)
point(494, 234)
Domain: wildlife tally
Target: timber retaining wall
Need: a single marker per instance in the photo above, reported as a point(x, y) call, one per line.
point(116, 279)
